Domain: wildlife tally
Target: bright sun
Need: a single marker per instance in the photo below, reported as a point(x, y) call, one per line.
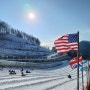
point(31, 16)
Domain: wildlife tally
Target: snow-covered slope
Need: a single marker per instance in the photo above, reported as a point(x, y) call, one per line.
point(10, 44)
point(41, 79)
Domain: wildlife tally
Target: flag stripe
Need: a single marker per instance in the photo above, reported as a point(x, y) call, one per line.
point(66, 49)
point(66, 44)
point(58, 42)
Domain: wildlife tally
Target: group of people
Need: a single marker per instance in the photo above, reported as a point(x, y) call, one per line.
point(22, 72)
point(12, 72)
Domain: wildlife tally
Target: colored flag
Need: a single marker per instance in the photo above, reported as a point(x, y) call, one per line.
point(74, 62)
point(66, 43)
point(84, 67)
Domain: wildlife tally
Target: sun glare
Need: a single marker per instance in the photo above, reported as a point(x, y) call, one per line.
point(31, 16)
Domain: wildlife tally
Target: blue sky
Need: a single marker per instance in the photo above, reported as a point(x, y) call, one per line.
point(53, 18)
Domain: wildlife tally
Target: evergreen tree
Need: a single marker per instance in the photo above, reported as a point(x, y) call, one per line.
point(85, 49)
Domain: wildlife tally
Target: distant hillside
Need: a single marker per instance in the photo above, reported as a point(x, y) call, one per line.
point(6, 29)
point(85, 49)
point(14, 42)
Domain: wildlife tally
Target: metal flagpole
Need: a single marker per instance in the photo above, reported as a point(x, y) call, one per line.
point(82, 77)
point(78, 64)
point(87, 80)
point(88, 76)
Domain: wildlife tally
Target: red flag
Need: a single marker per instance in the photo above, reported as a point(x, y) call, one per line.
point(74, 62)
point(66, 43)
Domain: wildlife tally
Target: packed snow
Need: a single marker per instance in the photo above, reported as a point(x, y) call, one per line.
point(41, 79)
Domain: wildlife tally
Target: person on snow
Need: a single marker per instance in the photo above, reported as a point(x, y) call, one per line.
point(69, 76)
point(22, 74)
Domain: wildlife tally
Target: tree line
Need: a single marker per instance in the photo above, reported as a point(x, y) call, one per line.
point(7, 29)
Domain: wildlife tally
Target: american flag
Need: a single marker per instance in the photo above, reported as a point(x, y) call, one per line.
point(74, 62)
point(66, 43)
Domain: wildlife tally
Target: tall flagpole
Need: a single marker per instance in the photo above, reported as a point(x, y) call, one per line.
point(82, 77)
point(88, 76)
point(78, 64)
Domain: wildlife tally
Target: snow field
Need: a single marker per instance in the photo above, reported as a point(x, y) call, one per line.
point(41, 79)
